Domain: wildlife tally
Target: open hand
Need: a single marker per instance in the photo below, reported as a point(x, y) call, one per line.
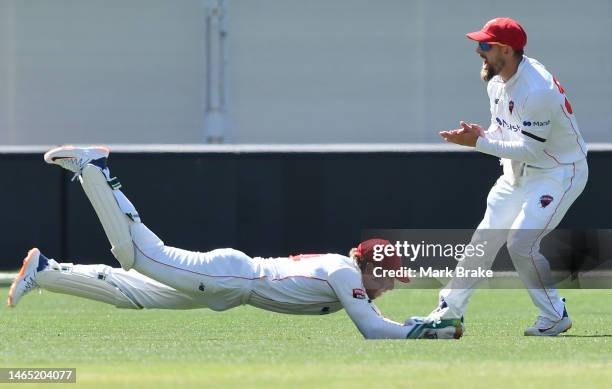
point(467, 135)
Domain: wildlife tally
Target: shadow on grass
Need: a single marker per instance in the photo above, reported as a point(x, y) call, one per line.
point(587, 336)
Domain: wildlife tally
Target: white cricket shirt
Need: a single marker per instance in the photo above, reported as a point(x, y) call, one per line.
point(532, 120)
point(319, 284)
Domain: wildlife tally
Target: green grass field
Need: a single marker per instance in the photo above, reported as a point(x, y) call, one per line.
point(250, 347)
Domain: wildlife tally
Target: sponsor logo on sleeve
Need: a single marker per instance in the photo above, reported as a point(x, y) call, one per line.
point(511, 106)
point(536, 123)
point(503, 123)
point(359, 294)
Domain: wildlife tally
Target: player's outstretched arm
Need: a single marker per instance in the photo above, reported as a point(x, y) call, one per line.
point(348, 286)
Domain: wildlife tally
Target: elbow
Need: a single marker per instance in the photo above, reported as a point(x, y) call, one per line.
point(533, 147)
point(528, 152)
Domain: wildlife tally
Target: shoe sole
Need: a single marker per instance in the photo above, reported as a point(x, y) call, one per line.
point(26, 262)
point(49, 158)
point(543, 334)
point(567, 329)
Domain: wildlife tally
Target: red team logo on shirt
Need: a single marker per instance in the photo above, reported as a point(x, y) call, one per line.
point(359, 294)
point(545, 200)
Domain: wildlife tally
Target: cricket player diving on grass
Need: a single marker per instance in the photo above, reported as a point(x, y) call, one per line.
point(171, 278)
point(534, 131)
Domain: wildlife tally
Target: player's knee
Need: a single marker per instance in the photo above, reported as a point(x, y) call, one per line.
point(518, 246)
point(124, 253)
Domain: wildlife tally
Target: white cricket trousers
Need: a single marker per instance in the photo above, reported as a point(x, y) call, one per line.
point(521, 215)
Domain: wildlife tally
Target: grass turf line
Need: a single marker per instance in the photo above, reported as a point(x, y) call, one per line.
point(247, 346)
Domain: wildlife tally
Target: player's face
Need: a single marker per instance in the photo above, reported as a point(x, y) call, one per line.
point(375, 286)
point(493, 61)
point(375, 291)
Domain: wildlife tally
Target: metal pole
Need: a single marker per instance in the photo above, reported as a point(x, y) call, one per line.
point(215, 116)
point(11, 76)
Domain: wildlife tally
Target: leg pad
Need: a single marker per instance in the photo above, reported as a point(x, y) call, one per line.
point(116, 224)
point(90, 286)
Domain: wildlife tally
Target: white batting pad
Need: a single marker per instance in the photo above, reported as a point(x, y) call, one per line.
point(116, 224)
point(91, 286)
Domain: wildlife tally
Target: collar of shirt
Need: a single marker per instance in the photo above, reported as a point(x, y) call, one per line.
point(516, 75)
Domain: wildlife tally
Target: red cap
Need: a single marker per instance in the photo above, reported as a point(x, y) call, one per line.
point(392, 262)
point(506, 31)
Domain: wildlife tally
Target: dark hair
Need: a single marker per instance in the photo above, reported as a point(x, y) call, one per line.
point(518, 53)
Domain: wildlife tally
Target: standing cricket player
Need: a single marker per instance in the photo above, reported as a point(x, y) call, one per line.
point(171, 278)
point(534, 132)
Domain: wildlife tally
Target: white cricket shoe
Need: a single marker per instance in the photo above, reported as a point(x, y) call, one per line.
point(547, 327)
point(33, 263)
point(442, 313)
point(74, 158)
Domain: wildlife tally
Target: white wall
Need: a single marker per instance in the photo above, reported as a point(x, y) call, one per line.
point(132, 71)
point(100, 71)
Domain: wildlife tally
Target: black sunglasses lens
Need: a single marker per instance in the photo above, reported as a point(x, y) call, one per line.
point(484, 46)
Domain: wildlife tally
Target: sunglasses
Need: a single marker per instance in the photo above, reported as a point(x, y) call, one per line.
point(486, 46)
